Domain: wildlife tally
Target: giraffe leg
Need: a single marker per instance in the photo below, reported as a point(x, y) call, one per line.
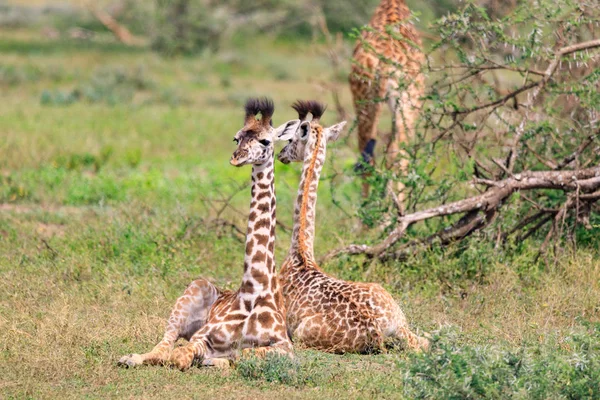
point(220, 363)
point(405, 107)
point(183, 357)
point(367, 109)
point(283, 349)
point(188, 315)
point(411, 340)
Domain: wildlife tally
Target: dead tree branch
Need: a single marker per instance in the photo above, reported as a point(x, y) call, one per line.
point(585, 180)
point(122, 34)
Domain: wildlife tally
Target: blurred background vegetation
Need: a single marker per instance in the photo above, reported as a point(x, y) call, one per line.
point(193, 26)
point(114, 172)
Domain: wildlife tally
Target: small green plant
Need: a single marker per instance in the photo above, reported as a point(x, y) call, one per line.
point(273, 368)
point(567, 367)
point(133, 157)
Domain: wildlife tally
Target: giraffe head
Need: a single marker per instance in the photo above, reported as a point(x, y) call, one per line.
point(309, 132)
point(255, 139)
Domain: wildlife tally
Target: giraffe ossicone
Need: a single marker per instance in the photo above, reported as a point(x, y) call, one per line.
point(323, 312)
point(222, 325)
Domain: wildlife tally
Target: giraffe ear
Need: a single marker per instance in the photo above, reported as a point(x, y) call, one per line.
point(304, 130)
point(287, 130)
point(333, 132)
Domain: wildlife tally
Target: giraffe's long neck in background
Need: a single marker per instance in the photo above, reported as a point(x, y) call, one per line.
point(303, 234)
point(259, 261)
point(389, 12)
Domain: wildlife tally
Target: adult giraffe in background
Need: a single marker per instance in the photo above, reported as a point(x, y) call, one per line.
point(396, 77)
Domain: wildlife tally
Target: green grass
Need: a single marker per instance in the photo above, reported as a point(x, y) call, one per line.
point(103, 222)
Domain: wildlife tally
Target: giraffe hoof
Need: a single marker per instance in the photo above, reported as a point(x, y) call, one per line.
point(219, 363)
point(130, 361)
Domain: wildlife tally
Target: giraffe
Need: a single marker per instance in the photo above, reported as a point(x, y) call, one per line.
point(323, 312)
point(220, 324)
point(372, 78)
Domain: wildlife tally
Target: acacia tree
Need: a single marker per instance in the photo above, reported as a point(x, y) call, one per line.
point(508, 140)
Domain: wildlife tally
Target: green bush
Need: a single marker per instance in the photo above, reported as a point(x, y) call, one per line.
point(566, 367)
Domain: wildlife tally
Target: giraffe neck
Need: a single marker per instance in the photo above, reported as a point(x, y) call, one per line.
point(303, 235)
point(389, 12)
point(259, 262)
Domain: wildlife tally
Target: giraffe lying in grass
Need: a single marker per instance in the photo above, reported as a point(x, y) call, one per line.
point(323, 312)
point(220, 324)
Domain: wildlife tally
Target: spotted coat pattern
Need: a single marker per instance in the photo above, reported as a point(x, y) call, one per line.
point(222, 324)
point(323, 312)
point(393, 36)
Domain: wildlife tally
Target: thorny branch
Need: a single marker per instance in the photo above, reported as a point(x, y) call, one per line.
point(519, 111)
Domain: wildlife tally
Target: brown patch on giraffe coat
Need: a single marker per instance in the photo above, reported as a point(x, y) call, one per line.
point(252, 323)
point(264, 207)
point(270, 260)
point(247, 287)
point(259, 257)
point(263, 223)
point(249, 246)
point(266, 320)
point(260, 277)
point(262, 195)
point(261, 240)
point(264, 301)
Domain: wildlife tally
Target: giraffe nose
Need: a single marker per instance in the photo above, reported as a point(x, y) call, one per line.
point(281, 157)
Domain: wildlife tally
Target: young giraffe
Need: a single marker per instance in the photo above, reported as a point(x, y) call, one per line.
point(323, 312)
point(219, 323)
point(373, 78)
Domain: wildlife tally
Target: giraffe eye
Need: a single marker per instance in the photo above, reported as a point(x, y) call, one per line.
point(265, 142)
point(236, 140)
point(290, 141)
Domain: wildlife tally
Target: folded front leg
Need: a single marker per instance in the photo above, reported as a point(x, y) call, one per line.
point(183, 357)
point(188, 315)
point(283, 349)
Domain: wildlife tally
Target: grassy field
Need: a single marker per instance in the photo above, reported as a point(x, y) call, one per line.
point(112, 161)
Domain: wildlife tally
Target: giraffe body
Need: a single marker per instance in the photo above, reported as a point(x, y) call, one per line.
point(323, 312)
point(221, 324)
point(396, 78)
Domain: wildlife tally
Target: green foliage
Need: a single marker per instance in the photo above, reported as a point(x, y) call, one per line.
point(567, 367)
point(281, 369)
point(185, 26)
point(476, 120)
point(13, 75)
point(273, 368)
point(102, 225)
point(107, 85)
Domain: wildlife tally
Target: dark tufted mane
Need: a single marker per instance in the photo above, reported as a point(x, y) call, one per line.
point(263, 106)
point(304, 107)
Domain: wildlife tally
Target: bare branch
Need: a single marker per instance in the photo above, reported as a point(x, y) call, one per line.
point(489, 201)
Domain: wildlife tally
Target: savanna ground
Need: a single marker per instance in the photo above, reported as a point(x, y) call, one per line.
point(108, 159)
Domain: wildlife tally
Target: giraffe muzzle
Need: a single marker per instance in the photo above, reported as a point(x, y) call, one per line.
point(283, 158)
point(238, 160)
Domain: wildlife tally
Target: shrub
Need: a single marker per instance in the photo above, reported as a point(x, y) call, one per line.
point(557, 368)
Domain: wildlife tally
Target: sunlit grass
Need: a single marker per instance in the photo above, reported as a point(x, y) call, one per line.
point(96, 200)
